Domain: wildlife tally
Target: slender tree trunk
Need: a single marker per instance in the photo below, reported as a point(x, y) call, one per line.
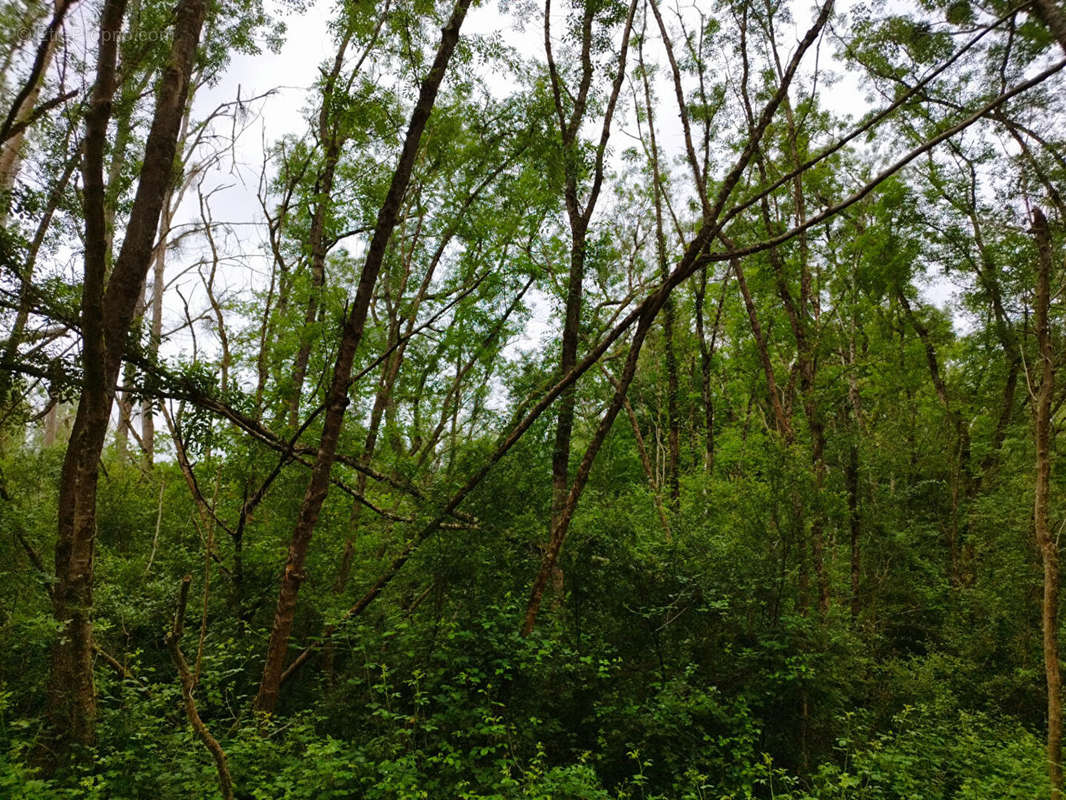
point(124, 401)
point(962, 483)
point(318, 278)
point(578, 216)
point(330, 132)
point(798, 309)
point(337, 395)
point(645, 461)
point(821, 572)
point(561, 527)
point(1045, 538)
point(564, 421)
point(852, 473)
point(188, 686)
point(784, 425)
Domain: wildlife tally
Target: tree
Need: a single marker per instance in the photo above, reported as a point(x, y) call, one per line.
point(107, 308)
point(337, 395)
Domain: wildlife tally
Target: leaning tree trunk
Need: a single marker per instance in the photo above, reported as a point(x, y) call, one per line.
point(337, 395)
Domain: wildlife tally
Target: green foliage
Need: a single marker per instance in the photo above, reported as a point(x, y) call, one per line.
point(869, 440)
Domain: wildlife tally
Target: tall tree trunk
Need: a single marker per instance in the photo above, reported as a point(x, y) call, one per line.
point(1045, 539)
point(821, 572)
point(564, 421)
point(71, 693)
point(852, 472)
point(107, 311)
point(801, 309)
point(784, 425)
point(337, 395)
point(324, 190)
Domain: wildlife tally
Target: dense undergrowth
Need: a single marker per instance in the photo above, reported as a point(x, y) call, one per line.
point(673, 669)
